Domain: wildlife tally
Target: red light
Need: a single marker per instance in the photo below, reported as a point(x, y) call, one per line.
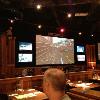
point(62, 30)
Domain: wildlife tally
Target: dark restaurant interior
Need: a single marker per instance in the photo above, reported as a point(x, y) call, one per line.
point(36, 35)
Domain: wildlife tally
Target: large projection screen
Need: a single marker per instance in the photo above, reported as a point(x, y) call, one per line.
point(54, 50)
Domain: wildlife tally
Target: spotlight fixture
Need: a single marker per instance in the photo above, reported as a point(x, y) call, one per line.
point(80, 33)
point(92, 35)
point(69, 15)
point(12, 21)
point(39, 26)
point(39, 7)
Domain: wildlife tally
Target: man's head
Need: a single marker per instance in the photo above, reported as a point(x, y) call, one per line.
point(54, 80)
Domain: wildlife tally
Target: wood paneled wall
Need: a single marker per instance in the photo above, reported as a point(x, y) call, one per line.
point(7, 52)
point(79, 76)
point(91, 56)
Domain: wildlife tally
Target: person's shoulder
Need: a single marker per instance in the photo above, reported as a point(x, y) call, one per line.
point(66, 97)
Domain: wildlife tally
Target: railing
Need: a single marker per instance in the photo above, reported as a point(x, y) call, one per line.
point(11, 84)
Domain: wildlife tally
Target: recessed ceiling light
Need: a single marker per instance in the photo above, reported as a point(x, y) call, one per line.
point(11, 21)
point(80, 33)
point(92, 35)
point(39, 26)
point(39, 7)
point(69, 15)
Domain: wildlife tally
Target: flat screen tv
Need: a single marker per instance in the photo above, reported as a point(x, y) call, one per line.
point(25, 52)
point(25, 46)
point(81, 58)
point(23, 57)
point(54, 50)
point(80, 48)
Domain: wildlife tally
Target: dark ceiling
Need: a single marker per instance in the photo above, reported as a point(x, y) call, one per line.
point(52, 16)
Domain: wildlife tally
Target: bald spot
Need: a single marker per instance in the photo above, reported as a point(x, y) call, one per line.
point(57, 78)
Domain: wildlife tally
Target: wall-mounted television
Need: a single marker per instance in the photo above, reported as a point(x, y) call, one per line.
point(25, 45)
point(81, 58)
point(25, 52)
point(54, 50)
point(24, 57)
point(80, 48)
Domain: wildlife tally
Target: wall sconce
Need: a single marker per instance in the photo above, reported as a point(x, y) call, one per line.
point(92, 64)
point(8, 35)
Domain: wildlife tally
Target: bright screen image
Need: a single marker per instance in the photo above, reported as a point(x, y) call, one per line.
point(54, 50)
point(80, 57)
point(25, 46)
point(24, 57)
point(80, 48)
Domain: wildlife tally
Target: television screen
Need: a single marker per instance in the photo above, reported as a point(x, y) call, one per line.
point(24, 57)
point(80, 57)
point(80, 48)
point(25, 46)
point(54, 50)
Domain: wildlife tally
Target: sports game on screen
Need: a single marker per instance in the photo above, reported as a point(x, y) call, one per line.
point(24, 57)
point(25, 52)
point(25, 46)
point(80, 57)
point(80, 48)
point(54, 50)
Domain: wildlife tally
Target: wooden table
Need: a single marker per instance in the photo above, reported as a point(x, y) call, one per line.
point(94, 80)
point(91, 94)
point(30, 94)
